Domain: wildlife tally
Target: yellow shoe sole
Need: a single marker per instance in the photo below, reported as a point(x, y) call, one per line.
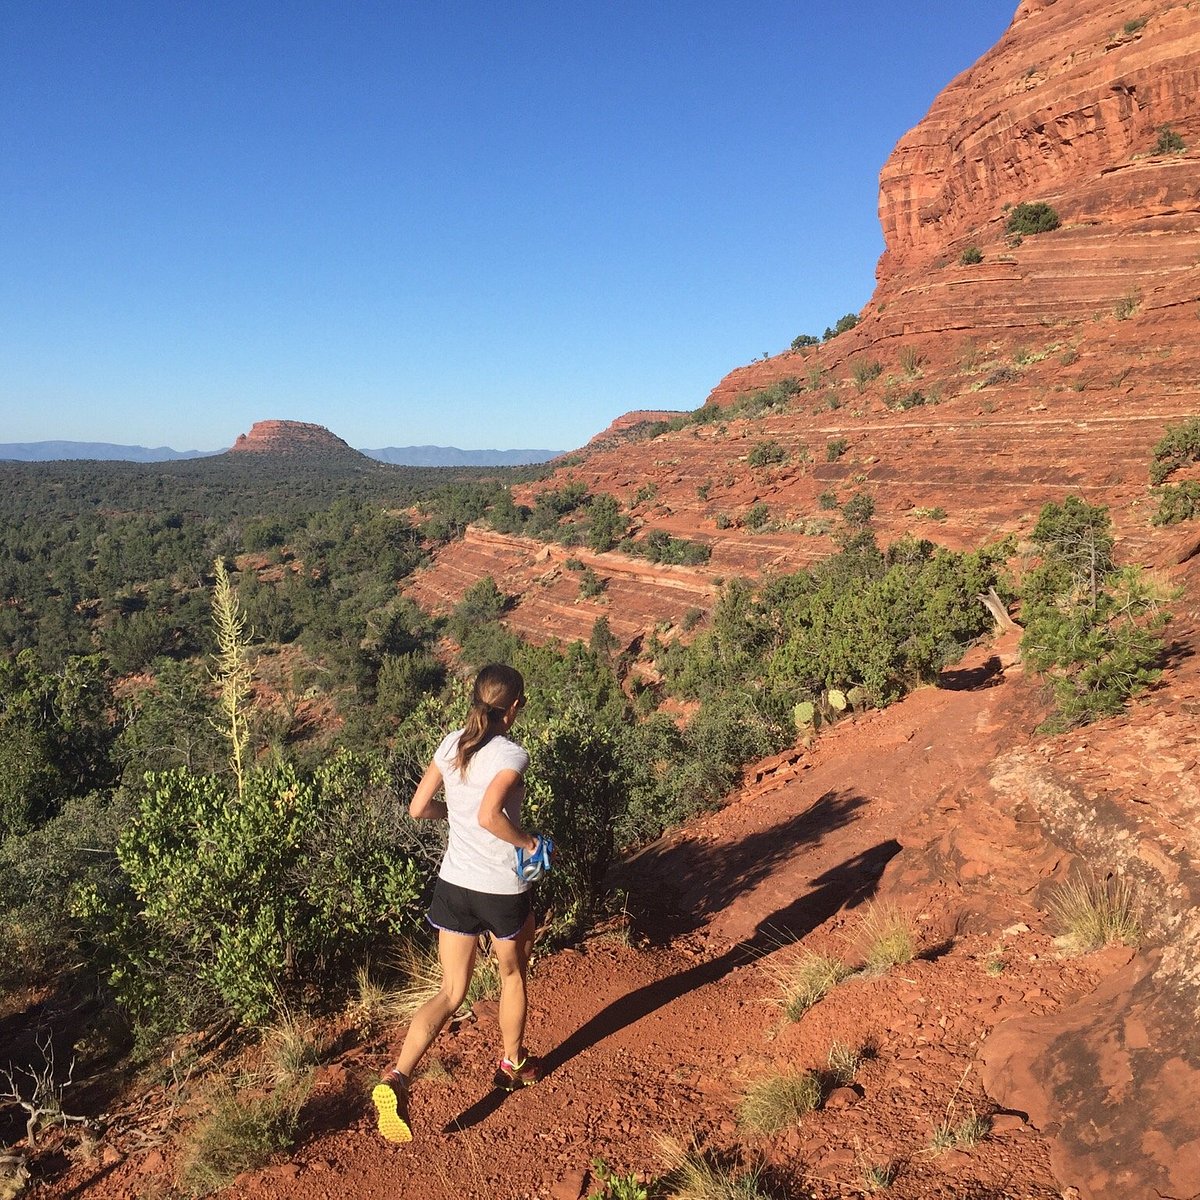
point(391, 1124)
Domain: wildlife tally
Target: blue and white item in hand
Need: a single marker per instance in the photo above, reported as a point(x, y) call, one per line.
point(532, 865)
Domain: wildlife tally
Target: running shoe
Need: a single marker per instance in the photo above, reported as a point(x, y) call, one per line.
point(511, 1075)
point(390, 1097)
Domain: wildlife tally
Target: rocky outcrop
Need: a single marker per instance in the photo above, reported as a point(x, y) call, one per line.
point(292, 438)
point(626, 426)
point(545, 583)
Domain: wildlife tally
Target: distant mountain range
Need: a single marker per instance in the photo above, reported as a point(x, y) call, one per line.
point(105, 451)
point(452, 456)
point(401, 456)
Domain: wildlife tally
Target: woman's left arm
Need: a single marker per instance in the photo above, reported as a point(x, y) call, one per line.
point(425, 806)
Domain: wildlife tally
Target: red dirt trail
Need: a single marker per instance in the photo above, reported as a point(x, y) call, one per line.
point(658, 1033)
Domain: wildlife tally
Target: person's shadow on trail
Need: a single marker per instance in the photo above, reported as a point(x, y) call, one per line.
point(849, 883)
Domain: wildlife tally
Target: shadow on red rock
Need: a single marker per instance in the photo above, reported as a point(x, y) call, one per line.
point(676, 884)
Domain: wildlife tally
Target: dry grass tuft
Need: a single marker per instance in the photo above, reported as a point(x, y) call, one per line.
point(294, 1047)
point(844, 1062)
point(877, 1177)
point(885, 936)
point(1092, 913)
point(694, 1175)
point(241, 1133)
point(375, 1004)
point(806, 980)
point(777, 1101)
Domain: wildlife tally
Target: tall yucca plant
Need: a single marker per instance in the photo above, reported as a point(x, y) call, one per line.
point(233, 674)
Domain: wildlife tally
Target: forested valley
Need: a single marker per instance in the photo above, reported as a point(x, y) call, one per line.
point(203, 791)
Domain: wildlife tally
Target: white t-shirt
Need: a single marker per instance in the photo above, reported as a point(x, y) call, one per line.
point(475, 858)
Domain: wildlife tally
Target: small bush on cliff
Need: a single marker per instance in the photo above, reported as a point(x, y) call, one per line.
point(660, 547)
point(1177, 503)
point(970, 256)
point(1178, 447)
point(864, 371)
point(804, 340)
point(767, 454)
point(1035, 217)
point(844, 325)
point(1169, 142)
point(757, 515)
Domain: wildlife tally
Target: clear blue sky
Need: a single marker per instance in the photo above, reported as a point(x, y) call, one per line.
point(464, 223)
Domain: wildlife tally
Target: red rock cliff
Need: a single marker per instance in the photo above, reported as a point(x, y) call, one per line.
point(288, 437)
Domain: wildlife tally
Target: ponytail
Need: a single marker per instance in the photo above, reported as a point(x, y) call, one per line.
point(496, 689)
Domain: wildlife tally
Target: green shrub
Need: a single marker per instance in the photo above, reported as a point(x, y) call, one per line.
point(805, 981)
point(1177, 502)
point(913, 399)
point(250, 898)
point(1093, 913)
point(606, 524)
point(970, 256)
point(56, 734)
point(835, 448)
point(885, 625)
point(858, 510)
point(767, 454)
point(1091, 628)
point(1029, 218)
point(41, 874)
point(803, 340)
point(482, 602)
point(659, 546)
point(778, 1101)
point(1169, 142)
point(1178, 447)
point(757, 515)
point(885, 936)
point(590, 584)
point(576, 791)
point(864, 371)
point(240, 1133)
point(1132, 26)
point(774, 395)
point(844, 325)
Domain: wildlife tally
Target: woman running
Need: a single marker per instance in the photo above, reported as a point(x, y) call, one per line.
point(478, 888)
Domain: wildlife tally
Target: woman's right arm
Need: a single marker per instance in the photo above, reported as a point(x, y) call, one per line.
point(425, 806)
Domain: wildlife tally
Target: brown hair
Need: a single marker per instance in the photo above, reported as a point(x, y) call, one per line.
point(496, 688)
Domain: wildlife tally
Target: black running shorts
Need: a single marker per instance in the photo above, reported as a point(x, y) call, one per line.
point(460, 910)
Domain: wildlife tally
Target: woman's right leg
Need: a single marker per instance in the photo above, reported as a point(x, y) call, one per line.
point(512, 957)
point(456, 953)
